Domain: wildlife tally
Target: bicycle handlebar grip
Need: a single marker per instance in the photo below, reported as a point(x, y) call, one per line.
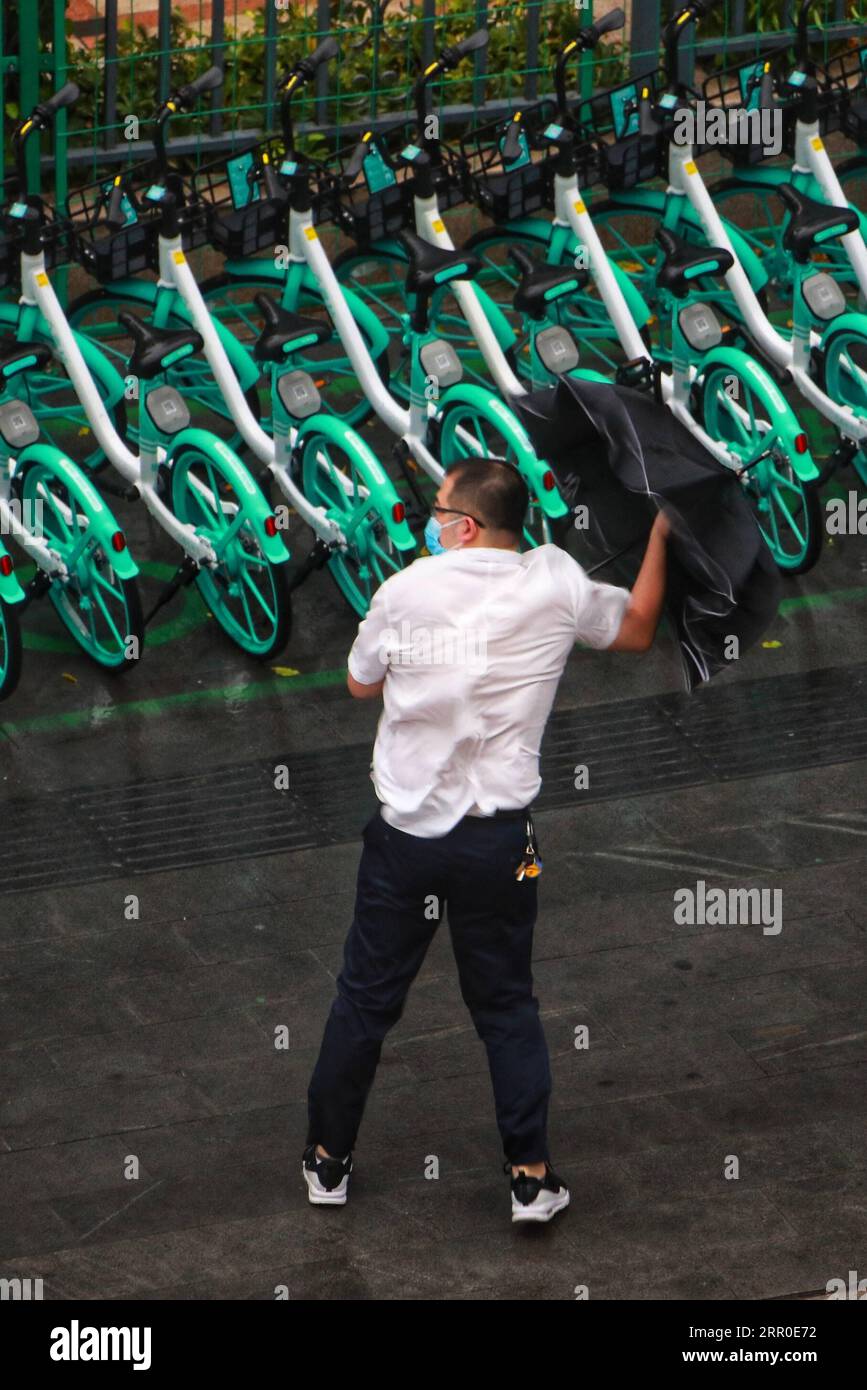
point(511, 147)
point(205, 82)
point(606, 25)
point(67, 96)
point(324, 52)
point(356, 161)
point(469, 45)
point(114, 211)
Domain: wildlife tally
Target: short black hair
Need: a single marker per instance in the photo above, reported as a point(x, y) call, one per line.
point(492, 490)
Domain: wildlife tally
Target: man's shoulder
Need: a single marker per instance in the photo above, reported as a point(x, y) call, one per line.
point(407, 580)
point(555, 560)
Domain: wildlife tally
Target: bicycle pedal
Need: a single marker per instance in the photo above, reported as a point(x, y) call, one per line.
point(38, 586)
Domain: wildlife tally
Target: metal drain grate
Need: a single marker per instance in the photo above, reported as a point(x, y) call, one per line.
point(745, 729)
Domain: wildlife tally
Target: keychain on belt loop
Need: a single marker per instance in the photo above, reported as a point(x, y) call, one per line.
point(531, 865)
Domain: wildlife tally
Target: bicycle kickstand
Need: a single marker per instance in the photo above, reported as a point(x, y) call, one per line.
point(319, 556)
point(185, 574)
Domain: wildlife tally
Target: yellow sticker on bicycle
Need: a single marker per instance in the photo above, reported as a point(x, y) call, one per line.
point(310, 233)
point(817, 143)
point(579, 205)
point(439, 225)
point(178, 257)
point(690, 167)
point(42, 278)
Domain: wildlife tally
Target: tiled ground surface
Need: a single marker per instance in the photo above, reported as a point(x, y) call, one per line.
point(154, 1038)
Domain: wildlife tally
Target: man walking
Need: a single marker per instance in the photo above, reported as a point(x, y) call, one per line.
point(467, 648)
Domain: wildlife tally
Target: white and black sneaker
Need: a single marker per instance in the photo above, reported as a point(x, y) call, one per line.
point(327, 1178)
point(537, 1199)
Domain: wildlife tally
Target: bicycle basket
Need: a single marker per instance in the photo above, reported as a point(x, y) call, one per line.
point(450, 177)
point(626, 157)
point(830, 107)
point(846, 76)
point(109, 252)
point(58, 242)
point(507, 190)
point(241, 218)
point(751, 133)
point(374, 204)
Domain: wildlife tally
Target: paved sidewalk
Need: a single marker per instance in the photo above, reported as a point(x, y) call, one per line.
point(152, 1039)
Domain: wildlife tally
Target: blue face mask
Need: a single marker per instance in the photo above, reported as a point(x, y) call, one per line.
point(432, 533)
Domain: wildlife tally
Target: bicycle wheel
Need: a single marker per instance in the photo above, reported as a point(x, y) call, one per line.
point(62, 418)
point(10, 649)
point(231, 302)
point(852, 176)
point(844, 378)
point(333, 477)
point(627, 235)
point(95, 314)
point(102, 611)
point(247, 594)
point(466, 432)
point(789, 513)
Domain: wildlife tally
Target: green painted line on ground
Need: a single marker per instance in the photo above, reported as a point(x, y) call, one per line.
point(259, 690)
point(829, 600)
point(162, 704)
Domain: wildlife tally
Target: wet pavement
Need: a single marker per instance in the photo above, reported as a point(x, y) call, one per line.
point(164, 910)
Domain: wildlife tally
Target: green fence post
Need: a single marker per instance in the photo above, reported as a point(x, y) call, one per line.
point(585, 62)
point(28, 81)
point(61, 141)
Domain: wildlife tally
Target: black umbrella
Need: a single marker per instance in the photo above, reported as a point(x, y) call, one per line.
point(623, 456)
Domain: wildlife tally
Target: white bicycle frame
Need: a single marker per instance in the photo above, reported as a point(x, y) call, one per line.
point(11, 524)
point(140, 471)
point(793, 354)
point(811, 157)
point(571, 211)
point(175, 273)
point(410, 425)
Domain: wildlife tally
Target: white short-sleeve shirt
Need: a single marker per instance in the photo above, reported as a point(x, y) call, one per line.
point(472, 645)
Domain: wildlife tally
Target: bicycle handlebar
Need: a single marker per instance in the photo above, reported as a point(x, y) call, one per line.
point(40, 118)
point(323, 53)
point(206, 82)
point(586, 40)
point(67, 96)
point(455, 53)
point(675, 28)
point(449, 58)
point(511, 147)
point(302, 73)
point(802, 42)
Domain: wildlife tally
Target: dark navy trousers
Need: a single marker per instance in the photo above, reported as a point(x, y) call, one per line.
point(402, 879)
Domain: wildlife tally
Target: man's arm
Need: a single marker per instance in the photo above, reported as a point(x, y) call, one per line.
point(363, 692)
point(368, 660)
point(644, 610)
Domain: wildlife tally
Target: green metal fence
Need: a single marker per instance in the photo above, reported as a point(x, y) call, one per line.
point(124, 67)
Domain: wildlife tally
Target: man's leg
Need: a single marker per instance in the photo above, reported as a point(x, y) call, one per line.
point(384, 950)
point(491, 919)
